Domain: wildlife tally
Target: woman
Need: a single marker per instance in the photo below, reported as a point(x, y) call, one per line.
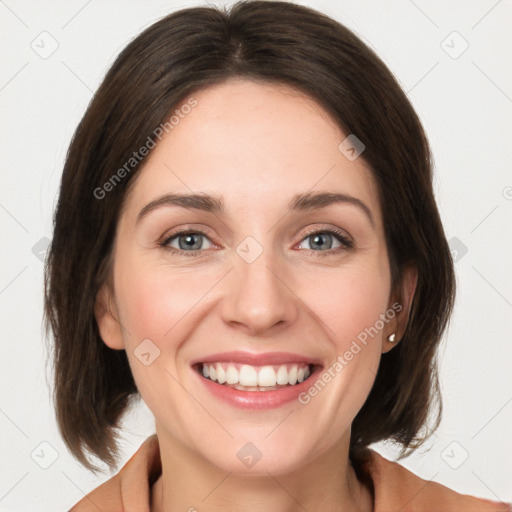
point(247, 210)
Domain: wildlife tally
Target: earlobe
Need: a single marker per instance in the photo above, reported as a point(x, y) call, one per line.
point(106, 318)
point(397, 327)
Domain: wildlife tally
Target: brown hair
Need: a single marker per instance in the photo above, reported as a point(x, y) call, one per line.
point(265, 41)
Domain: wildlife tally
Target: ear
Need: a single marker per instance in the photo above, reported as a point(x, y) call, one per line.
point(107, 319)
point(401, 303)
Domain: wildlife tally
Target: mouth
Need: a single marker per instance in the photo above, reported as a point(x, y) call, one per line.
point(252, 378)
point(256, 381)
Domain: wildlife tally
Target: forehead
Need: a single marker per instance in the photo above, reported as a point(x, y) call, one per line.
point(256, 145)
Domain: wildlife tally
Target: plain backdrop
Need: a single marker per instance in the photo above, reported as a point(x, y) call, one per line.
point(452, 59)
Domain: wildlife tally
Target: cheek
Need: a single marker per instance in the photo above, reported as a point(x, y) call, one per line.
point(350, 304)
point(350, 301)
point(154, 306)
point(155, 300)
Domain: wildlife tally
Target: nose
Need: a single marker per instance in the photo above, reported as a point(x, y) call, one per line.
point(259, 299)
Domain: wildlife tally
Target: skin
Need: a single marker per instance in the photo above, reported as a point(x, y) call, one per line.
point(256, 145)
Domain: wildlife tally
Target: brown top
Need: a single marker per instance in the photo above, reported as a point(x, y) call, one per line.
point(396, 488)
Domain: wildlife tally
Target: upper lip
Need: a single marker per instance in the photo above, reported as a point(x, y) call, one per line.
point(265, 358)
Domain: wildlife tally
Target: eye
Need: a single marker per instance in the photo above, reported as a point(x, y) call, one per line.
point(326, 240)
point(322, 242)
point(187, 242)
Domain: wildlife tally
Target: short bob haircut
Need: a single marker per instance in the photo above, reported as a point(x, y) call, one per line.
point(189, 50)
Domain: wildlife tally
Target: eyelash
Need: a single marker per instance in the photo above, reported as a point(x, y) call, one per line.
point(342, 238)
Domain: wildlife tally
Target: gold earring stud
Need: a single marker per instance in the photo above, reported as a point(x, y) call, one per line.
point(391, 338)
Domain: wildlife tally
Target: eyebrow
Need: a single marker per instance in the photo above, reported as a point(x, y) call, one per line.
point(215, 204)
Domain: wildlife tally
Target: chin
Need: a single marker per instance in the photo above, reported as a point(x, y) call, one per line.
point(258, 455)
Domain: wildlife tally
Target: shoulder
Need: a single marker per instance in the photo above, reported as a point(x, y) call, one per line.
point(107, 496)
point(129, 489)
point(397, 488)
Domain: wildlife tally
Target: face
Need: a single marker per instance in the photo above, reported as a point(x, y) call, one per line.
point(268, 282)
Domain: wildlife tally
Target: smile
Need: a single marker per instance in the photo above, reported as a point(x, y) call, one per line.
point(255, 378)
point(256, 381)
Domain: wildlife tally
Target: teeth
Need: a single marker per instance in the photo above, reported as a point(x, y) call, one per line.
point(250, 378)
point(292, 376)
point(266, 377)
point(254, 388)
point(282, 375)
point(232, 375)
point(221, 374)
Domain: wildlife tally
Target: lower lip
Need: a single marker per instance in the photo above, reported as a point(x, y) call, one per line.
point(258, 399)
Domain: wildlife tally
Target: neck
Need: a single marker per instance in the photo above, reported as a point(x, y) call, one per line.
point(189, 483)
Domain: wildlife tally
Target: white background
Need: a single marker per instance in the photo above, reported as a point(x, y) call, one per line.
point(465, 104)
